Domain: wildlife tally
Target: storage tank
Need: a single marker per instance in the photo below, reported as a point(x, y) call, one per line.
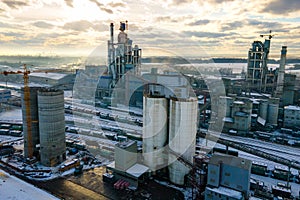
point(273, 114)
point(155, 118)
point(182, 136)
point(34, 121)
point(52, 126)
point(263, 109)
point(237, 106)
point(225, 102)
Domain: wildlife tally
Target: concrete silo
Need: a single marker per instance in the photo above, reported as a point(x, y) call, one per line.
point(182, 136)
point(225, 105)
point(273, 114)
point(52, 126)
point(34, 122)
point(154, 130)
point(263, 109)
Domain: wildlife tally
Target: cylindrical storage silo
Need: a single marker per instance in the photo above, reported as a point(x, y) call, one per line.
point(182, 136)
point(154, 131)
point(225, 103)
point(237, 106)
point(52, 126)
point(33, 114)
point(263, 109)
point(273, 114)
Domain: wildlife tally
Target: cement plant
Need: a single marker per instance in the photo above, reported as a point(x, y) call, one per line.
point(155, 129)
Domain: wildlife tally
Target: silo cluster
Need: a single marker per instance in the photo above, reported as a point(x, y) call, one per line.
point(47, 125)
point(169, 131)
point(268, 110)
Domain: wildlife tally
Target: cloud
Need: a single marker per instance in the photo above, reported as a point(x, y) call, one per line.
point(206, 34)
point(14, 4)
point(199, 22)
point(42, 24)
point(115, 5)
point(282, 7)
point(69, 2)
point(5, 25)
point(102, 6)
point(264, 24)
point(166, 19)
point(179, 2)
point(81, 25)
point(84, 25)
point(219, 1)
point(232, 26)
point(12, 34)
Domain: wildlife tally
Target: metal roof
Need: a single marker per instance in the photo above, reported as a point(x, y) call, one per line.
point(217, 159)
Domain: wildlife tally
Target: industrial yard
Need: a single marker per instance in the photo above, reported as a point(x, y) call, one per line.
point(112, 132)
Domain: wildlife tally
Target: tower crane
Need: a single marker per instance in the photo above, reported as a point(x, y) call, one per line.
point(269, 35)
point(29, 121)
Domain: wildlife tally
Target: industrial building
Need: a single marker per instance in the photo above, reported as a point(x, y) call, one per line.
point(228, 178)
point(291, 117)
point(52, 78)
point(126, 167)
point(289, 96)
point(47, 125)
point(43, 77)
point(123, 59)
point(237, 115)
point(258, 74)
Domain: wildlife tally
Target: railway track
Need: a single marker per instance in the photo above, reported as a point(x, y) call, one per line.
point(247, 148)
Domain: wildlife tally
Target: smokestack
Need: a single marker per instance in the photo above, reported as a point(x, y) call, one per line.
point(112, 32)
point(280, 78)
point(283, 59)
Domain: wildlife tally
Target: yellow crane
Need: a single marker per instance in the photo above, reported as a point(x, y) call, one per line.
point(29, 121)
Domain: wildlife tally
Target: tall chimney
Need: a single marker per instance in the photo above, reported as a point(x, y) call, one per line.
point(112, 33)
point(280, 78)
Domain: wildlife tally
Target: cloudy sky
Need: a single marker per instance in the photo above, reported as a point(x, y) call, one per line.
point(218, 28)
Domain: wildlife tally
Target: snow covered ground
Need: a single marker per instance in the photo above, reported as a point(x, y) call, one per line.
point(14, 188)
point(14, 115)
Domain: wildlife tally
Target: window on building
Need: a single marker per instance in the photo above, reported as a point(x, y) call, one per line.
point(227, 174)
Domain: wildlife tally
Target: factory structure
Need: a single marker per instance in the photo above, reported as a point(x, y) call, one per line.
point(47, 126)
point(123, 59)
point(172, 110)
point(261, 100)
point(224, 178)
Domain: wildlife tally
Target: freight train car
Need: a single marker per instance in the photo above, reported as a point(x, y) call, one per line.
point(281, 173)
point(259, 168)
point(281, 191)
